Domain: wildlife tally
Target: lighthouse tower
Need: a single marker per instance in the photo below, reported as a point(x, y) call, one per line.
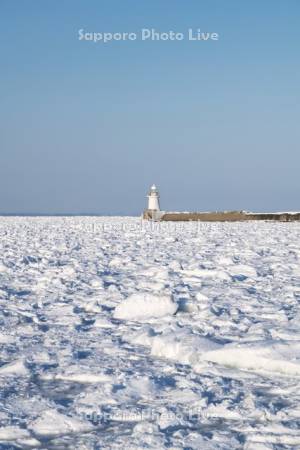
point(153, 199)
point(153, 211)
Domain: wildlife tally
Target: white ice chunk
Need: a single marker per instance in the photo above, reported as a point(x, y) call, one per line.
point(15, 368)
point(52, 424)
point(144, 306)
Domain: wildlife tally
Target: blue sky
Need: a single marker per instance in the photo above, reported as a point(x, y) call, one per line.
point(87, 128)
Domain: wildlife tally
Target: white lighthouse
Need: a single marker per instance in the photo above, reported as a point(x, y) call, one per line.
point(153, 199)
point(153, 211)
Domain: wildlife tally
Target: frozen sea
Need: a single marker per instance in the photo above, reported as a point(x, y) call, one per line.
point(122, 334)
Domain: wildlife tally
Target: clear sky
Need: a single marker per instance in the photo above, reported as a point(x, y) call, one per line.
point(87, 127)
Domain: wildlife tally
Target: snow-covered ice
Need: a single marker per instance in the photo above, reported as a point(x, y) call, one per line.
point(145, 306)
point(121, 334)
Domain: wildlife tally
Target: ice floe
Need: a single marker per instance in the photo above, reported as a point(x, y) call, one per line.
point(145, 306)
point(115, 334)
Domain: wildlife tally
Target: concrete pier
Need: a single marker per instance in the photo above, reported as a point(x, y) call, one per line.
point(226, 216)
